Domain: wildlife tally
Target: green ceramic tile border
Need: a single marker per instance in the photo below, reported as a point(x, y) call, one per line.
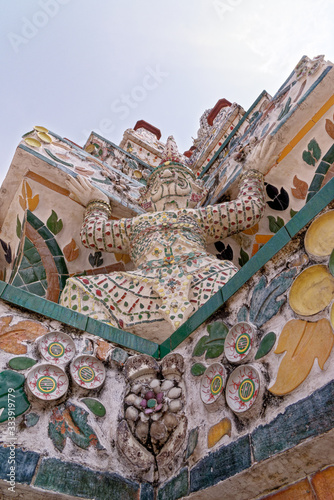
point(37, 304)
point(234, 131)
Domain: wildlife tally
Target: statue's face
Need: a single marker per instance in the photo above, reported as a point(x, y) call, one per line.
point(171, 190)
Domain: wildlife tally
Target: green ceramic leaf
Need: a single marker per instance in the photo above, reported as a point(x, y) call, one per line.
point(200, 347)
point(12, 392)
point(293, 213)
point(215, 350)
point(315, 148)
point(285, 110)
point(243, 314)
point(95, 406)
point(21, 363)
point(313, 154)
point(331, 263)
point(28, 133)
point(267, 343)
point(197, 369)
point(192, 442)
point(54, 224)
point(263, 303)
point(308, 158)
point(58, 159)
point(31, 419)
point(244, 257)
point(10, 380)
point(18, 227)
point(275, 224)
point(214, 343)
point(70, 421)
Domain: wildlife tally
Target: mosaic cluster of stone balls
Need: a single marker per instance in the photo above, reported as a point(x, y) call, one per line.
point(313, 289)
point(243, 386)
point(155, 398)
point(48, 380)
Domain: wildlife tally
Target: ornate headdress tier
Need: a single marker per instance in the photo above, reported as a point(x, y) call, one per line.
point(171, 151)
point(171, 158)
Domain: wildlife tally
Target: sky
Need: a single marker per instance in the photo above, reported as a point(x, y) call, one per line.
point(74, 66)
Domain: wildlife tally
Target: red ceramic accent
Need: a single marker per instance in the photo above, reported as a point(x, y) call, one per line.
point(147, 126)
point(222, 103)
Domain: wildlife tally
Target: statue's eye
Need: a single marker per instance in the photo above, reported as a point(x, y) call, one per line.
point(181, 181)
point(154, 187)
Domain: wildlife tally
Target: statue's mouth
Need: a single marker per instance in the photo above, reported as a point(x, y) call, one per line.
point(171, 205)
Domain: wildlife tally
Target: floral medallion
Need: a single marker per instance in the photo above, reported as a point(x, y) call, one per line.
point(47, 382)
point(88, 372)
point(213, 382)
point(239, 342)
point(57, 347)
point(242, 388)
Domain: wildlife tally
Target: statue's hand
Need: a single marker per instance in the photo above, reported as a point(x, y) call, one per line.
point(83, 191)
point(263, 156)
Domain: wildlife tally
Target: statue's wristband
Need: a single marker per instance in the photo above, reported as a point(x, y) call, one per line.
point(250, 174)
point(98, 205)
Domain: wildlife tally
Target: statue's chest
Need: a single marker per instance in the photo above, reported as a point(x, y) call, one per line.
point(166, 229)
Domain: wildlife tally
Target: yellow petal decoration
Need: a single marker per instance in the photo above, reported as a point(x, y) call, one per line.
point(33, 142)
point(252, 230)
point(27, 200)
point(218, 431)
point(312, 291)
point(38, 128)
point(90, 148)
point(319, 238)
point(303, 342)
point(123, 257)
point(137, 174)
point(44, 137)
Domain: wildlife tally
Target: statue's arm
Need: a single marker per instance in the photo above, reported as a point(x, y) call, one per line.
point(225, 219)
point(105, 235)
point(98, 231)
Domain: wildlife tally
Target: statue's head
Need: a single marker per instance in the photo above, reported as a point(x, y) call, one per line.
point(172, 185)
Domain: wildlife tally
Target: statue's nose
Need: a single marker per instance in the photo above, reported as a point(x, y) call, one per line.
point(166, 173)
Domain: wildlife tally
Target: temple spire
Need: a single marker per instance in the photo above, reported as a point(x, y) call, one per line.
point(171, 152)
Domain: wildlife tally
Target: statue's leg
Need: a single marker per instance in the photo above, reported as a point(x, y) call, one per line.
point(78, 300)
point(207, 281)
point(123, 300)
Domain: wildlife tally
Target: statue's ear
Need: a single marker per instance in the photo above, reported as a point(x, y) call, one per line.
point(198, 194)
point(146, 205)
point(196, 197)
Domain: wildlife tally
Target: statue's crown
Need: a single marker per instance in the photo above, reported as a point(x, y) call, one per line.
point(171, 159)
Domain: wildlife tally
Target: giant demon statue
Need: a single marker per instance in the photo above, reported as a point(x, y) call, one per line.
point(174, 274)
